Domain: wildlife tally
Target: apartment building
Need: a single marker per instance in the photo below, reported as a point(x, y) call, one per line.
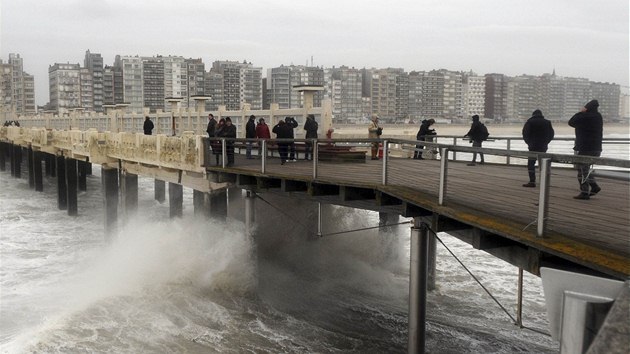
point(65, 87)
point(474, 91)
point(132, 85)
point(343, 87)
point(383, 86)
point(18, 87)
point(153, 84)
point(93, 62)
point(242, 83)
point(282, 79)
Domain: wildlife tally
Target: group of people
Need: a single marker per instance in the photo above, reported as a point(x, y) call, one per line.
point(284, 130)
point(221, 129)
point(11, 123)
point(537, 133)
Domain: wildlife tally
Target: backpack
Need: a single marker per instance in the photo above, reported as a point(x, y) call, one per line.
point(483, 132)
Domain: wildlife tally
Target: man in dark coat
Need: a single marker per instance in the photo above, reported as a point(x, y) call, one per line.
point(250, 133)
point(589, 126)
point(212, 125)
point(262, 132)
point(311, 127)
point(537, 133)
point(148, 126)
point(476, 138)
point(229, 131)
point(291, 122)
point(424, 134)
point(283, 131)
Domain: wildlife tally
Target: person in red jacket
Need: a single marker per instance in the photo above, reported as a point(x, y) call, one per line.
point(262, 132)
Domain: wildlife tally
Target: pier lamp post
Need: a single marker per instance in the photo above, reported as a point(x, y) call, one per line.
point(309, 92)
point(120, 107)
point(173, 101)
point(200, 102)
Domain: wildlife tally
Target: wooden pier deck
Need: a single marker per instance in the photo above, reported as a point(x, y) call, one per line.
point(594, 233)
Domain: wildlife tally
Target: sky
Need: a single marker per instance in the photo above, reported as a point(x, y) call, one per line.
point(577, 38)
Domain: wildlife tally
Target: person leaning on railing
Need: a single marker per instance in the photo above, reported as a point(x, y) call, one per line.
point(589, 126)
point(537, 133)
point(311, 127)
point(374, 132)
point(229, 132)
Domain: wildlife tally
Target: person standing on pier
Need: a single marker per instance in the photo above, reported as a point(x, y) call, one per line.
point(217, 149)
point(311, 127)
point(229, 132)
point(262, 132)
point(292, 123)
point(148, 126)
point(374, 132)
point(589, 126)
point(210, 129)
point(537, 133)
point(283, 131)
point(477, 134)
point(250, 133)
point(424, 134)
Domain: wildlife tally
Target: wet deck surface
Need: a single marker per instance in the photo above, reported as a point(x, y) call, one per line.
point(593, 232)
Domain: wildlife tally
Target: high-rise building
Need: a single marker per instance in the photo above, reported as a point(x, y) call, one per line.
point(214, 88)
point(437, 94)
point(94, 63)
point(153, 84)
point(18, 87)
point(496, 103)
point(176, 79)
point(131, 68)
point(343, 88)
point(281, 80)
point(242, 83)
point(112, 85)
point(474, 90)
point(383, 86)
point(87, 89)
point(65, 87)
point(196, 71)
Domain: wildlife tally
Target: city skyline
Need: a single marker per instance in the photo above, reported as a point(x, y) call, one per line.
point(484, 36)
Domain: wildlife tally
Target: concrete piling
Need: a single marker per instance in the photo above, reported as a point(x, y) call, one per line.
point(159, 188)
point(31, 173)
point(175, 200)
point(62, 189)
point(82, 170)
point(418, 270)
point(71, 186)
point(109, 178)
point(37, 171)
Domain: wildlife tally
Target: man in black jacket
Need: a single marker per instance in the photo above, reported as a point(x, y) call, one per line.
point(148, 126)
point(475, 134)
point(250, 133)
point(283, 131)
point(229, 131)
point(292, 123)
point(311, 127)
point(589, 126)
point(537, 133)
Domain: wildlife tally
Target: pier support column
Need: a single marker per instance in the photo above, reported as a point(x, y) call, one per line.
point(31, 173)
point(109, 178)
point(62, 190)
point(3, 156)
point(16, 161)
point(82, 169)
point(201, 203)
point(71, 184)
point(432, 280)
point(129, 187)
point(159, 189)
point(175, 200)
point(218, 204)
point(49, 160)
point(37, 171)
point(250, 212)
point(419, 263)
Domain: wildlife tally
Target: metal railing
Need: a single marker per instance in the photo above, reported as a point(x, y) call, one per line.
point(399, 148)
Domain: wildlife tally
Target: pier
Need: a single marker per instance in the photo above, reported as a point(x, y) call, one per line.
point(484, 205)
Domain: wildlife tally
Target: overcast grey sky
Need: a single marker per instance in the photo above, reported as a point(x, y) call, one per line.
point(579, 38)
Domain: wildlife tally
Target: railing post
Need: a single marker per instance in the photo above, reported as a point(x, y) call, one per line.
point(223, 152)
point(315, 156)
point(543, 199)
point(454, 152)
point(263, 161)
point(509, 144)
point(443, 175)
point(385, 153)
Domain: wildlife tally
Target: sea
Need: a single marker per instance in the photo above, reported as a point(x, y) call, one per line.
point(200, 284)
